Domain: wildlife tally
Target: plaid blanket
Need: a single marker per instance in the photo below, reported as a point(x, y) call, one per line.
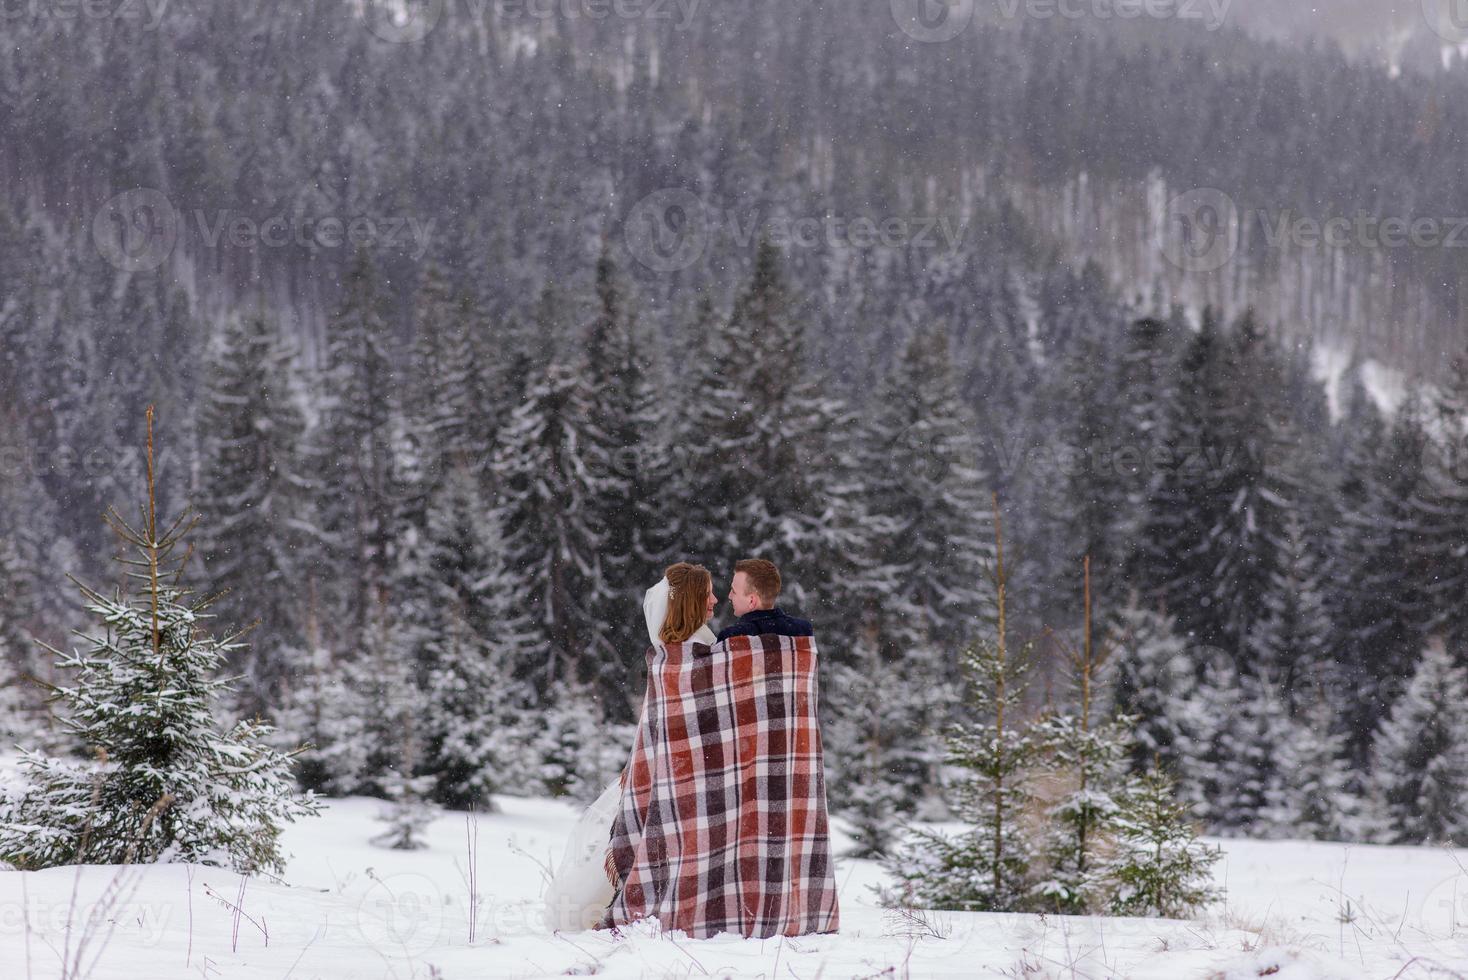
point(722, 825)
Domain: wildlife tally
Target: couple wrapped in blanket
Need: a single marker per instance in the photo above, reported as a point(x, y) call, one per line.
point(718, 823)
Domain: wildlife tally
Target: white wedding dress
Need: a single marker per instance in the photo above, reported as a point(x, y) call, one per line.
point(579, 893)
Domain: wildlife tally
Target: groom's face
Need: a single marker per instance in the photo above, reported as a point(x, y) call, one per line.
point(742, 596)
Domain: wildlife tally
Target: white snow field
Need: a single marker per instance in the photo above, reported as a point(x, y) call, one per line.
point(347, 909)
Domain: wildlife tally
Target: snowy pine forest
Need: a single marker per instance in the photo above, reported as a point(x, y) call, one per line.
point(457, 340)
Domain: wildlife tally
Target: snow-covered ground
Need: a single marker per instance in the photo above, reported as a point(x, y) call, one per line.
point(345, 908)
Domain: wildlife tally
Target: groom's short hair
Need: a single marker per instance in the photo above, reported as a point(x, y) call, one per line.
point(763, 577)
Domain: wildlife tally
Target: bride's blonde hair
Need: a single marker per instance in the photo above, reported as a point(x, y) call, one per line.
point(688, 601)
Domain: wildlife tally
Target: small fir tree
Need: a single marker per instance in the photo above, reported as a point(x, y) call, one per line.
point(989, 867)
point(171, 785)
point(1160, 867)
point(409, 812)
point(1092, 758)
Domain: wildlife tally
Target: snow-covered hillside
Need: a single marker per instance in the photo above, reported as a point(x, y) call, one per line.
point(347, 909)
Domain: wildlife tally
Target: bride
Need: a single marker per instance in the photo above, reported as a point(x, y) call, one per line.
point(677, 610)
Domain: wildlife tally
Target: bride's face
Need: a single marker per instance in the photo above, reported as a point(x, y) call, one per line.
point(712, 605)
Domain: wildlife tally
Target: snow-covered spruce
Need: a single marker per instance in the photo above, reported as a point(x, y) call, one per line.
point(868, 760)
point(1319, 799)
point(1149, 677)
point(251, 497)
point(1420, 776)
point(1091, 759)
point(918, 584)
point(576, 751)
point(321, 716)
point(169, 785)
point(1441, 511)
point(18, 703)
point(1235, 729)
point(1376, 606)
point(768, 465)
point(991, 865)
point(1160, 868)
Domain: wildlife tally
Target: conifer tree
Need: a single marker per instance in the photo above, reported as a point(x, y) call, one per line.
point(544, 485)
point(252, 494)
point(388, 684)
point(1149, 677)
point(170, 785)
point(769, 462)
point(1208, 768)
point(1440, 512)
point(1090, 755)
point(1210, 538)
point(351, 455)
point(1254, 785)
point(1166, 564)
point(990, 865)
point(928, 499)
point(624, 432)
point(446, 399)
point(1160, 868)
point(1378, 599)
point(17, 663)
point(925, 508)
point(1420, 757)
point(408, 813)
point(477, 725)
point(320, 712)
point(1249, 494)
point(1318, 800)
point(1098, 478)
point(576, 749)
point(1148, 376)
point(875, 744)
point(1293, 642)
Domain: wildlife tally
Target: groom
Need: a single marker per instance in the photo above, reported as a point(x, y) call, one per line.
point(753, 592)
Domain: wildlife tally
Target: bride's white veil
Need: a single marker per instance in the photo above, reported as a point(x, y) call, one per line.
point(655, 608)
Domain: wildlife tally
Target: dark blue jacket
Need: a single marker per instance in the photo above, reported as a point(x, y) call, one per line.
point(758, 622)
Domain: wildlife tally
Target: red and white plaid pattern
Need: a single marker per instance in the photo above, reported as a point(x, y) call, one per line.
point(723, 825)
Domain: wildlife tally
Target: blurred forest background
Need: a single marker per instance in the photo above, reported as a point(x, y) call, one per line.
point(451, 371)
